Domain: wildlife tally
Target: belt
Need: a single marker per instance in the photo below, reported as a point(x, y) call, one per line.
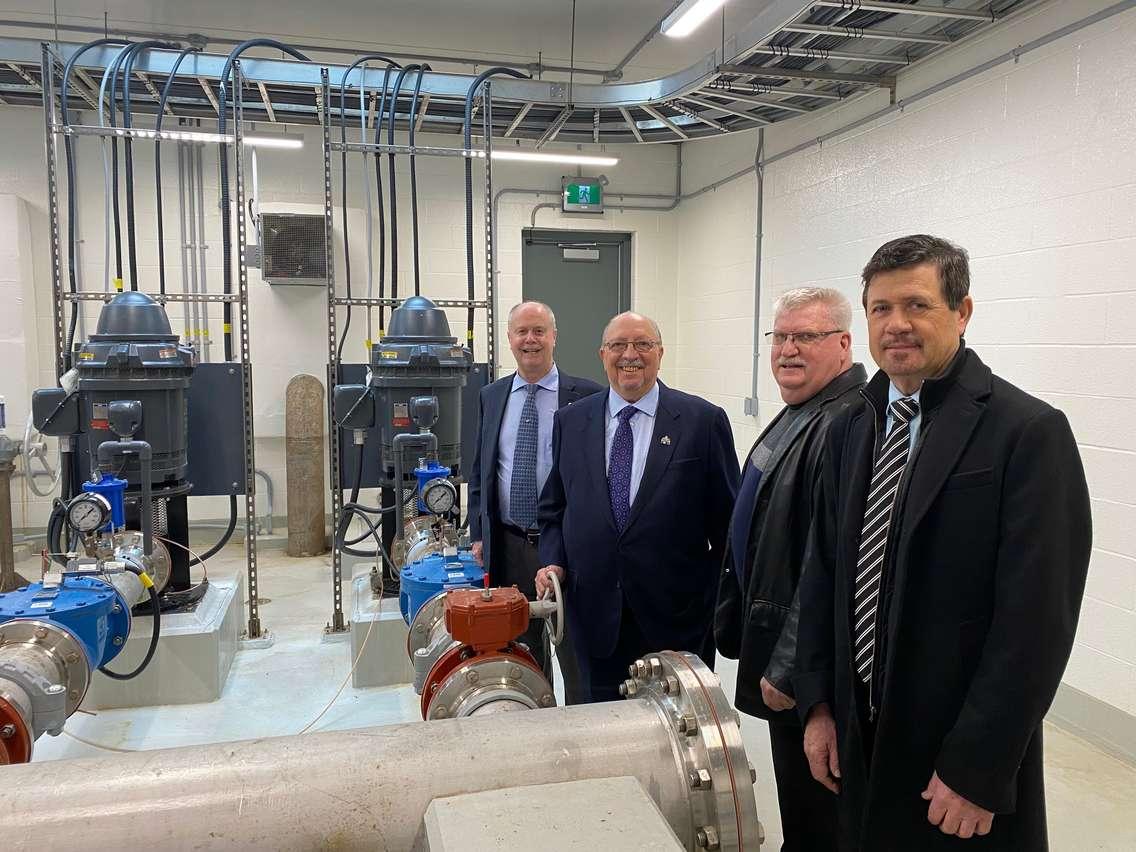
point(531, 536)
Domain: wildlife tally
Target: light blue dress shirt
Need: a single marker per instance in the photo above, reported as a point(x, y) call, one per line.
point(895, 393)
point(642, 428)
point(547, 401)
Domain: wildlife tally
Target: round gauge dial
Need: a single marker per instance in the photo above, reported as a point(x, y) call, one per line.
point(88, 512)
point(440, 496)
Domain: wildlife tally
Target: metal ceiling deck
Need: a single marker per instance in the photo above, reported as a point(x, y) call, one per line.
point(795, 58)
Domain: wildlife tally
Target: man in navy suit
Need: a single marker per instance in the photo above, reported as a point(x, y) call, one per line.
point(511, 463)
point(635, 511)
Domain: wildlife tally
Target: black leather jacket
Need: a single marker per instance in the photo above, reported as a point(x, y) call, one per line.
point(758, 627)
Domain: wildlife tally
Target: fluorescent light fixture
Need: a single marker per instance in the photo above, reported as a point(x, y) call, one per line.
point(566, 159)
point(172, 135)
point(688, 17)
point(274, 140)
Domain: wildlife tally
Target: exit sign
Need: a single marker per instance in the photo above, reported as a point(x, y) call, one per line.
point(582, 196)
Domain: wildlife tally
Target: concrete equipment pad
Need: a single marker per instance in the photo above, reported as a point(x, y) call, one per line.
point(605, 813)
point(191, 665)
point(384, 661)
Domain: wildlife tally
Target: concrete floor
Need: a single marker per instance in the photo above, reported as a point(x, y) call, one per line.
point(280, 689)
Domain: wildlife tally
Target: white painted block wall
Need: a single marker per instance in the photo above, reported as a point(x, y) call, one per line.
point(1031, 167)
point(287, 323)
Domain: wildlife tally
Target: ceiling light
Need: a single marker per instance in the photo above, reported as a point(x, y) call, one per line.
point(542, 157)
point(274, 140)
point(688, 17)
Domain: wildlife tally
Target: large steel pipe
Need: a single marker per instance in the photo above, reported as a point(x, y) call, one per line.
point(369, 789)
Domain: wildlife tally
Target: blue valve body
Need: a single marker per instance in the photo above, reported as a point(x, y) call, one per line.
point(432, 470)
point(435, 573)
point(113, 489)
point(92, 611)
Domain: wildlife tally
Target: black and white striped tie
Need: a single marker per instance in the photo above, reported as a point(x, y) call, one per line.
point(873, 540)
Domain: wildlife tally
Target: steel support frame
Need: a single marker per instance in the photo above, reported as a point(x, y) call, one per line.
point(338, 624)
point(53, 129)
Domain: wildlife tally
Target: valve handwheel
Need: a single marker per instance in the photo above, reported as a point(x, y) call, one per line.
point(35, 451)
point(555, 622)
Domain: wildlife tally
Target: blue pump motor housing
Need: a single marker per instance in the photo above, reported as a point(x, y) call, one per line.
point(435, 573)
point(94, 612)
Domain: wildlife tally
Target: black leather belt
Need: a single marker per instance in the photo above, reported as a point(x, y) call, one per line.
point(531, 536)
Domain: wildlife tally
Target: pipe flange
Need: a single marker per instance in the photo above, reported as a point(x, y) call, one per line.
point(484, 679)
point(63, 664)
point(158, 566)
point(425, 623)
point(16, 738)
point(706, 733)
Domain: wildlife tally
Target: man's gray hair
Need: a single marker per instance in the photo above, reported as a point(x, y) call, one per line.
point(541, 305)
point(839, 308)
point(654, 325)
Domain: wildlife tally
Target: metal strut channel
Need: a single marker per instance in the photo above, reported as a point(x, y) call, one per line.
point(337, 623)
point(47, 74)
point(490, 248)
point(254, 626)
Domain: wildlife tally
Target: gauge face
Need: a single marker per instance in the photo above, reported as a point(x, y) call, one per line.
point(88, 512)
point(439, 495)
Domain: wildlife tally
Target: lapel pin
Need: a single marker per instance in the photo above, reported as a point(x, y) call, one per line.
point(665, 440)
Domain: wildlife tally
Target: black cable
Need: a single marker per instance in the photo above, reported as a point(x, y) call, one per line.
point(115, 66)
point(223, 169)
point(157, 616)
point(72, 212)
point(414, 178)
point(391, 176)
point(379, 191)
point(158, 165)
point(343, 168)
point(216, 548)
point(127, 122)
point(467, 140)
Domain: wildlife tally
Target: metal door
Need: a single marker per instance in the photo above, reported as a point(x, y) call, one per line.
point(585, 277)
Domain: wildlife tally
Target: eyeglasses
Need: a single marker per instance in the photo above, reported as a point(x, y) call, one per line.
point(801, 338)
point(618, 347)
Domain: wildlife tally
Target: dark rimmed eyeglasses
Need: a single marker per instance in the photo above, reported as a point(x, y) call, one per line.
point(618, 347)
point(801, 338)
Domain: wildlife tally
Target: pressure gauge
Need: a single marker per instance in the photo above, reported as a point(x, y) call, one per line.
point(439, 495)
point(88, 512)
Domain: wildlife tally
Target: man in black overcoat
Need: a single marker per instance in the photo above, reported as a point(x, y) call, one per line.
point(940, 601)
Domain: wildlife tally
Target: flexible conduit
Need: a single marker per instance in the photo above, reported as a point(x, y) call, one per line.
point(158, 167)
point(223, 173)
point(69, 156)
point(467, 138)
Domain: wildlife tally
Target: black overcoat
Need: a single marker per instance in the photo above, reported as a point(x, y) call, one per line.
point(989, 548)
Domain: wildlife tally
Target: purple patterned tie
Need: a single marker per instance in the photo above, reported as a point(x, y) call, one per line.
point(619, 468)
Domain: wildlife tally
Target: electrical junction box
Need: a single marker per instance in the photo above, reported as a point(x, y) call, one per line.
point(581, 195)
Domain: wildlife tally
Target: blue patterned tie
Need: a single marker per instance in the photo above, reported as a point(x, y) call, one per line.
point(522, 486)
point(619, 468)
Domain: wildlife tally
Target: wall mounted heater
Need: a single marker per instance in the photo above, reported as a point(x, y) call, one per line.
point(293, 249)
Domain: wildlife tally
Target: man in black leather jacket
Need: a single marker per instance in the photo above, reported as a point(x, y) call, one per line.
point(756, 617)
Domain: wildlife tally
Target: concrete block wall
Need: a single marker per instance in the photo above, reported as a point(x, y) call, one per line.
point(287, 323)
point(1031, 167)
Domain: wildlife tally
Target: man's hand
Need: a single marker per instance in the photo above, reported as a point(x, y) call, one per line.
point(774, 698)
point(475, 549)
point(952, 813)
point(544, 584)
point(820, 747)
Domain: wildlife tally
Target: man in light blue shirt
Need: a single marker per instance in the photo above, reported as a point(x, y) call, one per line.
point(511, 463)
